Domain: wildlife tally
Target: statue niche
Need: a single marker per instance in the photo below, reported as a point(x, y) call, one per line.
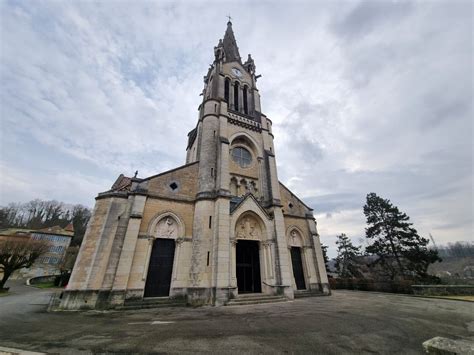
point(295, 239)
point(167, 228)
point(248, 228)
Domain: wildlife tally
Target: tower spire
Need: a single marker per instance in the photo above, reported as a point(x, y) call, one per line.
point(230, 45)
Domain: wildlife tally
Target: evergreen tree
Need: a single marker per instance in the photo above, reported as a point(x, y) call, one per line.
point(400, 251)
point(347, 264)
point(324, 249)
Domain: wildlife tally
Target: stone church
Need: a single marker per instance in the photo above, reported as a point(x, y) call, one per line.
point(208, 232)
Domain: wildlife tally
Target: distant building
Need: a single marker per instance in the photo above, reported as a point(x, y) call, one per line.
point(49, 263)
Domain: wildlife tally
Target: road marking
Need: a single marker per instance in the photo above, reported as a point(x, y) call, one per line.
point(152, 322)
point(160, 322)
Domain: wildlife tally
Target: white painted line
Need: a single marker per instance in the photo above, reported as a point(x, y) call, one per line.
point(152, 322)
point(160, 322)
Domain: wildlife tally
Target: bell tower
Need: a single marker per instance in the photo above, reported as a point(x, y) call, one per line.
point(233, 145)
point(231, 104)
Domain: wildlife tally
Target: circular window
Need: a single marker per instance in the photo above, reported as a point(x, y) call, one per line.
point(241, 156)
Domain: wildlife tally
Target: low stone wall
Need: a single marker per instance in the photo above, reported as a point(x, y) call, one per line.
point(443, 290)
point(41, 279)
point(445, 346)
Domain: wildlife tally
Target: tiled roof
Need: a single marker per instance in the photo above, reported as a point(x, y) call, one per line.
point(123, 183)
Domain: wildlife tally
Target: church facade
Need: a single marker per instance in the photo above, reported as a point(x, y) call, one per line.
point(218, 227)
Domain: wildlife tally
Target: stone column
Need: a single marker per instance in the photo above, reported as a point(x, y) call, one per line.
point(323, 279)
point(261, 177)
point(128, 250)
point(233, 263)
point(151, 240)
point(176, 263)
point(311, 272)
point(281, 247)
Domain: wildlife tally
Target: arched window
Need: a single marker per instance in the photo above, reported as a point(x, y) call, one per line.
point(226, 89)
point(246, 109)
point(241, 156)
point(236, 96)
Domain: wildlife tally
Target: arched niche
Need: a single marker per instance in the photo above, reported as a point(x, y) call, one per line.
point(166, 225)
point(249, 226)
point(295, 237)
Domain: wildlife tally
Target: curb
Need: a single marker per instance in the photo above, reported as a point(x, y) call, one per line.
point(405, 295)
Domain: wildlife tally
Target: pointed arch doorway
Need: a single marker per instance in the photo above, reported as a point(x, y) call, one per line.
point(159, 273)
point(248, 266)
point(248, 254)
point(297, 263)
point(160, 268)
point(296, 248)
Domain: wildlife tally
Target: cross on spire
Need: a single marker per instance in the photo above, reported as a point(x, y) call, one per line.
point(230, 18)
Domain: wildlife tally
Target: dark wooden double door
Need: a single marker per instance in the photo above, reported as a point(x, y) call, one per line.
point(160, 268)
point(297, 264)
point(248, 267)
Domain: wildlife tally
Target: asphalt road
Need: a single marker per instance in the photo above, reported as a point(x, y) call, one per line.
point(346, 322)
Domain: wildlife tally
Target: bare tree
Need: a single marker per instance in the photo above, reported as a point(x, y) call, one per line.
point(17, 253)
point(38, 214)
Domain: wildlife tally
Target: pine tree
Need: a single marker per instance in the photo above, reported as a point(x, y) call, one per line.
point(324, 249)
point(347, 264)
point(400, 251)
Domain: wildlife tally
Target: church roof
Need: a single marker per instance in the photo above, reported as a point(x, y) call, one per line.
point(230, 45)
point(123, 183)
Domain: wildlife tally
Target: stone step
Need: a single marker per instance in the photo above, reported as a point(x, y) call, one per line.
point(149, 305)
point(308, 294)
point(155, 300)
point(255, 300)
point(254, 295)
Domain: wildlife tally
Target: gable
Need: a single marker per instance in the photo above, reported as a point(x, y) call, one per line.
point(292, 205)
point(249, 203)
point(179, 183)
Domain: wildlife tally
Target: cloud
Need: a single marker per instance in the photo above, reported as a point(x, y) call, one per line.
point(365, 97)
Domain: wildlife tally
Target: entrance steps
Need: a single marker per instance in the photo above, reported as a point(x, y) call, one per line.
point(255, 298)
point(307, 293)
point(153, 302)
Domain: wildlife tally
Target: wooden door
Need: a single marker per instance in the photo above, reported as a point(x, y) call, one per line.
point(160, 268)
point(297, 263)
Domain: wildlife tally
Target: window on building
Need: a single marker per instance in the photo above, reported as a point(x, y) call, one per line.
point(236, 96)
point(246, 108)
point(226, 90)
point(241, 156)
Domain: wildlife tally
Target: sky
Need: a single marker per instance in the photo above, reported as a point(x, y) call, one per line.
point(365, 96)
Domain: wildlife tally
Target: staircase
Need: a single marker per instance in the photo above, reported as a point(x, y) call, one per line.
point(154, 302)
point(255, 298)
point(307, 293)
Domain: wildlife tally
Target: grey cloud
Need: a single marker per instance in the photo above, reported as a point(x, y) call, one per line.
point(336, 202)
point(367, 16)
point(372, 96)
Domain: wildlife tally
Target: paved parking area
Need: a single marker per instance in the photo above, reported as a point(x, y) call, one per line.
point(346, 322)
